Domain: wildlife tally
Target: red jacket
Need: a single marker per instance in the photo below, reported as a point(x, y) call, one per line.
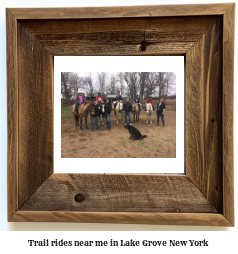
point(150, 100)
point(101, 99)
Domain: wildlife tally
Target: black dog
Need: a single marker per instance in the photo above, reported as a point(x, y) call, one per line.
point(135, 134)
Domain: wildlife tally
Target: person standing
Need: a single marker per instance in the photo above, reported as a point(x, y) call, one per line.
point(78, 101)
point(94, 117)
point(127, 108)
point(160, 112)
point(108, 109)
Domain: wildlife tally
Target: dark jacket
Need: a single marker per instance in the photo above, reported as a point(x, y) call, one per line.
point(137, 100)
point(108, 108)
point(96, 112)
point(127, 107)
point(160, 108)
point(118, 98)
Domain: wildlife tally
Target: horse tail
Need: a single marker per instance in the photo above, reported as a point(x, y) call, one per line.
point(144, 136)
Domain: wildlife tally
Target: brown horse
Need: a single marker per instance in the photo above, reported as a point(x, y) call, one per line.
point(135, 112)
point(83, 111)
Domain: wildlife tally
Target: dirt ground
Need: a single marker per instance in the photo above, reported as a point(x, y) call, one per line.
point(115, 143)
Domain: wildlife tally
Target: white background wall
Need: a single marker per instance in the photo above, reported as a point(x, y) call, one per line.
point(3, 129)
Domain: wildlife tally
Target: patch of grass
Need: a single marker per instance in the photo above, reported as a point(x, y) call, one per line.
point(66, 111)
point(169, 108)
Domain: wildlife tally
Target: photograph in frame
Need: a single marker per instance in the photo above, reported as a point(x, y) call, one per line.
point(157, 138)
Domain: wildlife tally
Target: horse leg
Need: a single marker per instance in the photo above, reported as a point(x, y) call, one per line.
point(114, 114)
point(147, 119)
point(77, 120)
point(117, 116)
point(81, 123)
point(150, 118)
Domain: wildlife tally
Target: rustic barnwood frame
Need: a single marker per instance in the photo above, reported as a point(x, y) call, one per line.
point(204, 34)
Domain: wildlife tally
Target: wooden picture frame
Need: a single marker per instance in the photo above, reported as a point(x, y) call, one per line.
point(204, 34)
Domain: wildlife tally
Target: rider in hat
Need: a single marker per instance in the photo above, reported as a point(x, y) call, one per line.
point(78, 100)
point(118, 98)
point(150, 100)
point(137, 100)
point(99, 98)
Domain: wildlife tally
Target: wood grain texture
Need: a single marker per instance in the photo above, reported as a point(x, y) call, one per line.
point(227, 113)
point(119, 36)
point(35, 102)
point(204, 114)
point(141, 193)
point(71, 48)
point(179, 25)
point(120, 11)
point(192, 219)
point(12, 114)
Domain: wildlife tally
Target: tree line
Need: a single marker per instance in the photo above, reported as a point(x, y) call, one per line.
point(157, 84)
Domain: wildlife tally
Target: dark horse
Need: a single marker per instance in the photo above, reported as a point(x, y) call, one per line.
point(101, 109)
point(82, 111)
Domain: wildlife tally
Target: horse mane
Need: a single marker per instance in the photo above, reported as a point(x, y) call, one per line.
point(88, 103)
point(136, 107)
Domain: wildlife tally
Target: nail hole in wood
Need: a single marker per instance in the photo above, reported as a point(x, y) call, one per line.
point(213, 120)
point(79, 198)
point(143, 45)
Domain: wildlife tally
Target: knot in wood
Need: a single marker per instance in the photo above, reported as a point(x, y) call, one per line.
point(143, 45)
point(79, 198)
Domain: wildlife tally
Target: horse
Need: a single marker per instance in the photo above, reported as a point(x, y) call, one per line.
point(118, 108)
point(149, 111)
point(101, 109)
point(82, 111)
point(135, 112)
